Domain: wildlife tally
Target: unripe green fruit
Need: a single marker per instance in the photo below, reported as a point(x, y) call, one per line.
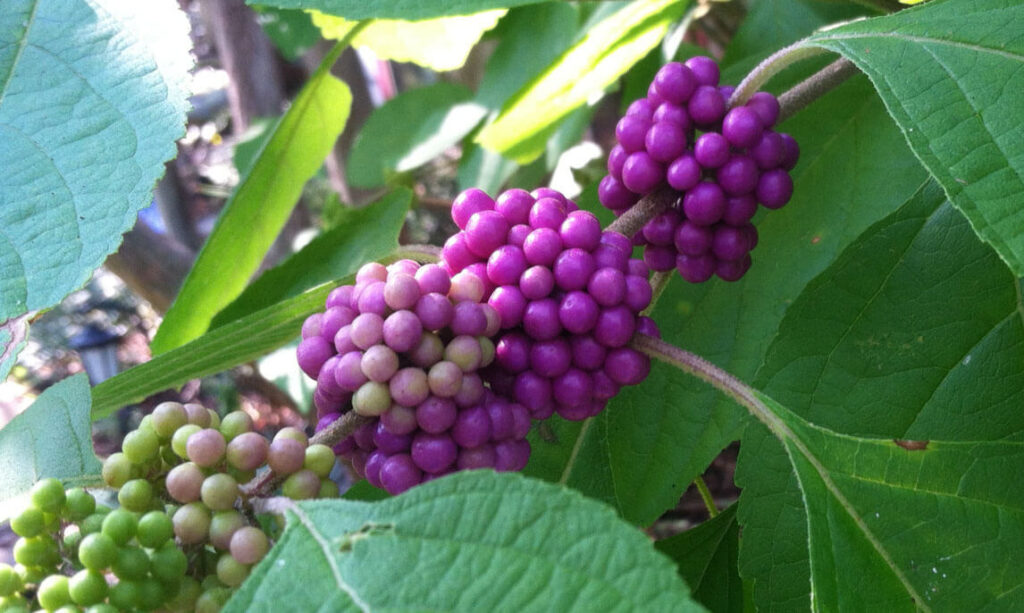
point(48, 495)
point(117, 470)
point(97, 551)
point(293, 433)
point(72, 539)
point(102, 608)
point(223, 526)
point(53, 592)
point(151, 594)
point(155, 529)
point(214, 419)
point(328, 489)
point(13, 604)
point(31, 575)
point(79, 505)
point(211, 601)
point(28, 523)
point(230, 571)
point(140, 446)
point(371, 399)
point(319, 459)
point(236, 423)
point(180, 439)
point(131, 563)
point(167, 418)
point(10, 582)
point(168, 563)
point(302, 485)
point(120, 525)
point(136, 495)
point(38, 551)
point(125, 595)
point(87, 587)
point(192, 523)
point(184, 599)
point(219, 492)
point(91, 524)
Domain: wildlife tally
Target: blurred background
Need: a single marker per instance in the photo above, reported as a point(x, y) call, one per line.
point(249, 62)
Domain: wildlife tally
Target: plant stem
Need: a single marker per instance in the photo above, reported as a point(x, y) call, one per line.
point(267, 481)
point(705, 495)
point(659, 281)
point(814, 87)
point(771, 66)
point(634, 219)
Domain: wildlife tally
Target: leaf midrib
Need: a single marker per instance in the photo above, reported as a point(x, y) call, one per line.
point(922, 40)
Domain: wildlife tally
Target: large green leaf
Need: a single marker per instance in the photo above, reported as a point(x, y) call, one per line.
point(914, 333)
point(439, 44)
point(256, 212)
point(895, 526)
point(92, 98)
point(605, 52)
point(410, 130)
point(52, 438)
point(951, 74)
point(855, 169)
point(706, 557)
point(473, 541)
point(395, 9)
point(362, 235)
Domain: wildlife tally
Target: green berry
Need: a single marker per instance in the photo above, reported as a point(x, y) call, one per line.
point(140, 446)
point(125, 595)
point(230, 571)
point(219, 492)
point(319, 459)
point(30, 575)
point(102, 608)
point(192, 523)
point(10, 582)
point(97, 551)
point(131, 563)
point(184, 599)
point(53, 592)
point(197, 415)
point(136, 495)
point(30, 522)
point(212, 600)
point(168, 563)
point(235, 423)
point(117, 470)
point(38, 551)
point(214, 419)
point(167, 418)
point(87, 587)
point(293, 433)
point(80, 504)
point(91, 524)
point(155, 529)
point(72, 539)
point(48, 495)
point(151, 594)
point(302, 485)
point(13, 604)
point(180, 439)
point(223, 527)
point(328, 489)
point(120, 525)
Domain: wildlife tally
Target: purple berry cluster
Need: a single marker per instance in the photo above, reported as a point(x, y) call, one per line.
point(567, 295)
point(404, 345)
point(721, 161)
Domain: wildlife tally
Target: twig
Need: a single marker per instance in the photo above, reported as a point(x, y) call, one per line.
point(659, 281)
point(705, 494)
point(634, 219)
point(771, 66)
point(814, 87)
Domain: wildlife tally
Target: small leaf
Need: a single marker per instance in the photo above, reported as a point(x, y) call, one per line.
point(358, 10)
point(52, 438)
point(604, 53)
point(92, 97)
point(706, 557)
point(473, 541)
point(439, 44)
point(252, 219)
point(410, 130)
point(362, 235)
point(951, 74)
point(13, 336)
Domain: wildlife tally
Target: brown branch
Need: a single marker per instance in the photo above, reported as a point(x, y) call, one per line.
point(814, 87)
point(634, 219)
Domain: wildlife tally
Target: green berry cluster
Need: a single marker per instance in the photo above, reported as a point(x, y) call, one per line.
point(184, 535)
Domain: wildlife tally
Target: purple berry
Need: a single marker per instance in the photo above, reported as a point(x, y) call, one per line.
point(693, 239)
point(578, 312)
point(509, 303)
point(733, 270)
point(738, 176)
point(312, 353)
point(436, 415)
point(542, 246)
point(711, 150)
point(607, 286)
point(399, 473)
point(704, 70)
point(706, 106)
point(631, 131)
point(641, 173)
point(766, 106)
point(536, 282)
point(467, 204)
point(485, 232)
point(432, 279)
point(515, 205)
point(402, 330)
point(665, 141)
point(704, 204)
point(614, 195)
point(573, 268)
point(675, 82)
point(540, 320)
point(433, 453)
point(774, 188)
point(696, 269)
point(580, 229)
point(683, 173)
point(434, 311)
point(742, 127)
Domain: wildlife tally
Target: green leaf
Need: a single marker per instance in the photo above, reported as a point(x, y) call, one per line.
point(439, 44)
point(918, 325)
point(605, 52)
point(855, 169)
point(13, 336)
point(706, 558)
point(358, 10)
point(923, 524)
point(950, 73)
point(231, 344)
point(292, 32)
point(92, 97)
point(52, 438)
point(256, 212)
point(410, 130)
point(362, 235)
point(473, 541)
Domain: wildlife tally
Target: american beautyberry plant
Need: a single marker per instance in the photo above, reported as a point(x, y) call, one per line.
point(791, 224)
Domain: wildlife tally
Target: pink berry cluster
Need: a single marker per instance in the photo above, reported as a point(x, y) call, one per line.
point(567, 295)
point(721, 161)
point(404, 346)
